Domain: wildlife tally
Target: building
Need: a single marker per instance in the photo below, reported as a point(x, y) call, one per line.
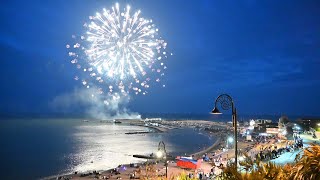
point(262, 121)
point(307, 123)
point(260, 125)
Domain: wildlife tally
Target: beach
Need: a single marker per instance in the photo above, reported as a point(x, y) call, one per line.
point(213, 157)
point(87, 149)
point(163, 127)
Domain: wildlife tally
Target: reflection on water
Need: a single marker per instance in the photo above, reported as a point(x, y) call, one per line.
point(43, 147)
point(106, 146)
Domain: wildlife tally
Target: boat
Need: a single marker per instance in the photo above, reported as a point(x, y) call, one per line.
point(116, 121)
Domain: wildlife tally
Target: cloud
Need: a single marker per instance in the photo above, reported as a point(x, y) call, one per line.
point(93, 104)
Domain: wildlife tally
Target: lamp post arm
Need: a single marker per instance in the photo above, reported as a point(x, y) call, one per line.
point(226, 102)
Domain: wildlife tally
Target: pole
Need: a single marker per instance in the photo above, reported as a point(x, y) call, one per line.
point(166, 169)
point(235, 136)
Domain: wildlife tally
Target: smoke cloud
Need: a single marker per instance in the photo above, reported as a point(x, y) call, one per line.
point(94, 105)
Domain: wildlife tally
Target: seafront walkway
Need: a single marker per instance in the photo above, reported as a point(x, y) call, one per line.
point(289, 157)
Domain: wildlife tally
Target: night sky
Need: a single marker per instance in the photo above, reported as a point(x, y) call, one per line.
point(264, 53)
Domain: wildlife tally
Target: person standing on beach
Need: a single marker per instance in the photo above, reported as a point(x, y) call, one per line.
point(200, 176)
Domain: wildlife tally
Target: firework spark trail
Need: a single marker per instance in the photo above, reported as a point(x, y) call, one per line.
point(120, 50)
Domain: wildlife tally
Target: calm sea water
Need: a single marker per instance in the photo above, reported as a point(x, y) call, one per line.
point(35, 148)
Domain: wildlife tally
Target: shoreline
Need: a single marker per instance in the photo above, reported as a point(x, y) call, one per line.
point(165, 126)
point(209, 149)
point(200, 124)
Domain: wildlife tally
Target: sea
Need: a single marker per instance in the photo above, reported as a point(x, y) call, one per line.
point(35, 148)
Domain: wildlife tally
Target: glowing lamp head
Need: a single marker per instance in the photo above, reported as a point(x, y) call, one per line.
point(241, 158)
point(159, 154)
point(230, 139)
point(215, 111)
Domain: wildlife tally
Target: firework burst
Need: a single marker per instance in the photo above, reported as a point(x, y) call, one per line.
point(121, 50)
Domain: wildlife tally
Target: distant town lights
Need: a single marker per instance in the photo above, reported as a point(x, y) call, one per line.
point(297, 127)
point(284, 132)
point(252, 123)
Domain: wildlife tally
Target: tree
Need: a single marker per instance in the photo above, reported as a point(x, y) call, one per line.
point(306, 167)
point(308, 164)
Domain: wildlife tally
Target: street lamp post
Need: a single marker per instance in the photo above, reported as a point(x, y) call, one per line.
point(162, 154)
point(226, 103)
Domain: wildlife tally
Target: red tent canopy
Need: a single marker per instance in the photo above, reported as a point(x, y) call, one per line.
point(189, 163)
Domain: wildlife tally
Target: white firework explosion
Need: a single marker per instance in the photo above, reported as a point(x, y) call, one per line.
point(122, 51)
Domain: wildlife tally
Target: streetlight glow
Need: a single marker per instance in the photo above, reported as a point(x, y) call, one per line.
point(241, 158)
point(162, 155)
point(230, 139)
point(216, 111)
point(159, 154)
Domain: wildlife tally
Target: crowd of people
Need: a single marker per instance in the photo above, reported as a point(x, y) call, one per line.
point(201, 175)
point(272, 151)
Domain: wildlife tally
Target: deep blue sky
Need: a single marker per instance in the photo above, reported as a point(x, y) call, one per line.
point(264, 53)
